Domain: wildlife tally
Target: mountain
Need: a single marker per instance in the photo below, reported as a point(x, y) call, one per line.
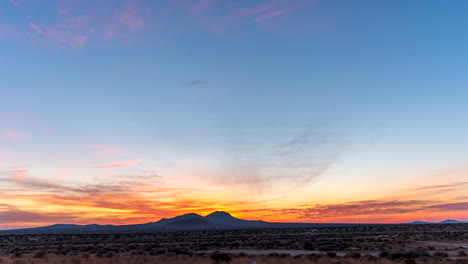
point(192, 224)
point(451, 221)
point(62, 229)
point(448, 221)
point(165, 221)
point(226, 219)
point(418, 223)
point(215, 221)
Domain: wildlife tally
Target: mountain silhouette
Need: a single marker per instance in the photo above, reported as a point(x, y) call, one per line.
point(448, 221)
point(451, 221)
point(418, 223)
point(226, 219)
point(215, 221)
point(165, 221)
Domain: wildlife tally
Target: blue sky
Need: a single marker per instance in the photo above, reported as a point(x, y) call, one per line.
point(229, 97)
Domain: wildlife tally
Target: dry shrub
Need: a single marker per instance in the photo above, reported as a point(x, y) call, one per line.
point(218, 257)
point(440, 254)
point(40, 254)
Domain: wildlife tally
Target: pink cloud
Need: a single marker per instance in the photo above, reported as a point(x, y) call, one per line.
point(273, 14)
point(36, 28)
point(119, 165)
point(20, 174)
point(62, 174)
point(238, 13)
point(16, 136)
point(264, 7)
point(105, 149)
point(79, 23)
point(109, 33)
point(60, 35)
point(129, 18)
point(14, 2)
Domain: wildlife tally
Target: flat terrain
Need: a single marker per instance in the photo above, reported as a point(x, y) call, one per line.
point(433, 243)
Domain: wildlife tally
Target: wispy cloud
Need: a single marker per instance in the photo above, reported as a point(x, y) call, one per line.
point(77, 24)
point(280, 168)
point(264, 6)
point(442, 186)
point(461, 206)
point(20, 174)
point(266, 10)
point(12, 214)
point(100, 149)
point(120, 201)
point(272, 14)
point(116, 202)
point(61, 36)
point(16, 173)
point(129, 18)
point(368, 210)
point(119, 164)
point(14, 2)
point(15, 135)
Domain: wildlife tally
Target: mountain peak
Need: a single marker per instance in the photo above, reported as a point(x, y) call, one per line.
point(219, 214)
point(450, 221)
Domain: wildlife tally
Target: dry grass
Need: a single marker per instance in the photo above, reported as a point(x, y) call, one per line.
point(394, 244)
point(128, 259)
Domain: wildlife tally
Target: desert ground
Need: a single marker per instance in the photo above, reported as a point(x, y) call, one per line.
point(434, 243)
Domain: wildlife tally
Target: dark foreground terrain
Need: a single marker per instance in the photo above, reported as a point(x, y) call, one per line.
point(432, 243)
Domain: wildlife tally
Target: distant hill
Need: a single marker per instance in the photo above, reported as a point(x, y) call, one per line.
point(418, 222)
point(226, 219)
point(215, 221)
point(448, 221)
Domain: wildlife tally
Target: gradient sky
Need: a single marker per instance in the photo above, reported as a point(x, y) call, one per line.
point(127, 111)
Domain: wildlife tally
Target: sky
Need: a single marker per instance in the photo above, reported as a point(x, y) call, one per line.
point(128, 111)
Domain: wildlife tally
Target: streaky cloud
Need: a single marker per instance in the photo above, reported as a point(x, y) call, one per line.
point(119, 164)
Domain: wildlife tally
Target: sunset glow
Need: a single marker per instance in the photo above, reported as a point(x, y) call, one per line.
point(285, 111)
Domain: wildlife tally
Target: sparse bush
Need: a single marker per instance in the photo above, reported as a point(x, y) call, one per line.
point(298, 256)
point(384, 254)
point(308, 245)
point(76, 261)
point(410, 261)
point(109, 254)
point(331, 254)
point(219, 257)
point(314, 257)
point(369, 258)
point(40, 254)
point(354, 255)
point(440, 254)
